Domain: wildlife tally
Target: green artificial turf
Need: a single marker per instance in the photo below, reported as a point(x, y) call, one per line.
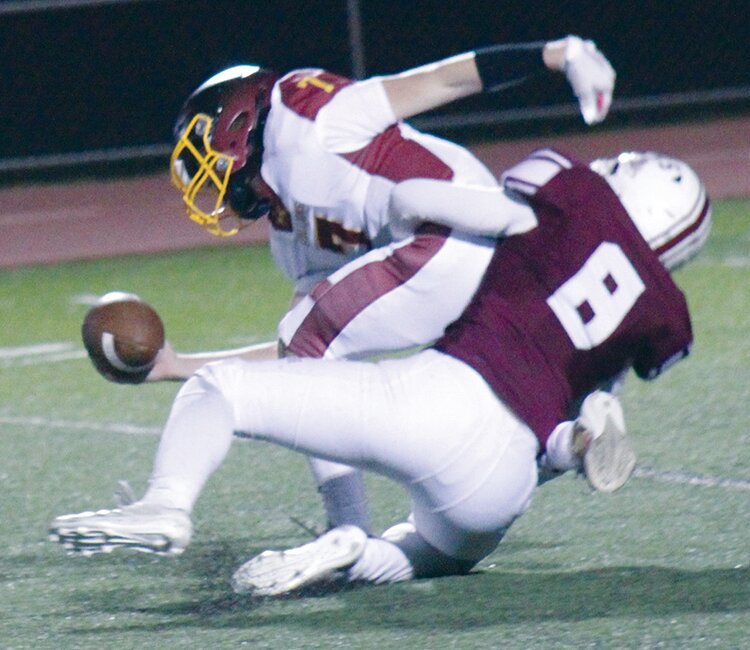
point(665, 562)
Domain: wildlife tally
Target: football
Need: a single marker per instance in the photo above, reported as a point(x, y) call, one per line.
point(122, 335)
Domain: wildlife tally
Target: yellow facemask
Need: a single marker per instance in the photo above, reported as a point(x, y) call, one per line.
point(202, 175)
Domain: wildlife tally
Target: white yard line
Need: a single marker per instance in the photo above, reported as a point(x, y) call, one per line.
point(41, 353)
point(662, 476)
point(34, 350)
point(688, 478)
point(729, 261)
point(736, 261)
point(50, 358)
point(48, 424)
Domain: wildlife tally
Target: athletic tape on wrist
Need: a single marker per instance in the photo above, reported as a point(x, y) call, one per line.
point(500, 66)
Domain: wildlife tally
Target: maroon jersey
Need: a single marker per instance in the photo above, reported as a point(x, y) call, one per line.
point(568, 305)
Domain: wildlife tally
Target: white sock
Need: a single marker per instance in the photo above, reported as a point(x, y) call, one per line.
point(382, 561)
point(559, 455)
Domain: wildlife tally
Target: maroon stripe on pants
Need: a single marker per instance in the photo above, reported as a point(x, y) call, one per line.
point(336, 305)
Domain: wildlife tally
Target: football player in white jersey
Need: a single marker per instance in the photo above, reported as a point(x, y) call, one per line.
point(459, 425)
point(320, 155)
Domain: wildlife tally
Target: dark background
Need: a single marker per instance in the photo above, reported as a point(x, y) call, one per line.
point(109, 76)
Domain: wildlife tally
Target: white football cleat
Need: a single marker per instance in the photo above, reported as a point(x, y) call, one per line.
point(600, 440)
point(273, 573)
point(143, 527)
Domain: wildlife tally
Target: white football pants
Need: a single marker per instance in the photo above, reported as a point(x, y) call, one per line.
point(392, 298)
point(428, 421)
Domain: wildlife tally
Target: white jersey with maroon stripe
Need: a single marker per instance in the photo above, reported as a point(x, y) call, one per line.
point(333, 155)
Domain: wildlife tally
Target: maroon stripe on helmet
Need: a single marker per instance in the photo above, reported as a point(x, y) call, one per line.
point(396, 158)
point(336, 305)
point(684, 234)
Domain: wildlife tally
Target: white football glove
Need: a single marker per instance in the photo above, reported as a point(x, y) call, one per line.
point(591, 76)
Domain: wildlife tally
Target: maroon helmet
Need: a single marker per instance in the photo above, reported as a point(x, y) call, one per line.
point(219, 134)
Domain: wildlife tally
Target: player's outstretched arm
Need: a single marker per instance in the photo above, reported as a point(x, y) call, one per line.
point(474, 209)
point(362, 110)
point(172, 366)
point(494, 68)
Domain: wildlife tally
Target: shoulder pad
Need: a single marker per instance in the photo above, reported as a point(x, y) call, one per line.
point(537, 170)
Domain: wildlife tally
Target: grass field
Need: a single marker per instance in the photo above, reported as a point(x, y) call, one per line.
point(664, 563)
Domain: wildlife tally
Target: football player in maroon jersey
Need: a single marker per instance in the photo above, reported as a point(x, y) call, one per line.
point(578, 291)
point(321, 154)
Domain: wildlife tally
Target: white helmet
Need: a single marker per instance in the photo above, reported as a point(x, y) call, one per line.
point(665, 199)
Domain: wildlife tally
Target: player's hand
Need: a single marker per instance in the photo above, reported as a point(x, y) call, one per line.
point(165, 365)
point(591, 77)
